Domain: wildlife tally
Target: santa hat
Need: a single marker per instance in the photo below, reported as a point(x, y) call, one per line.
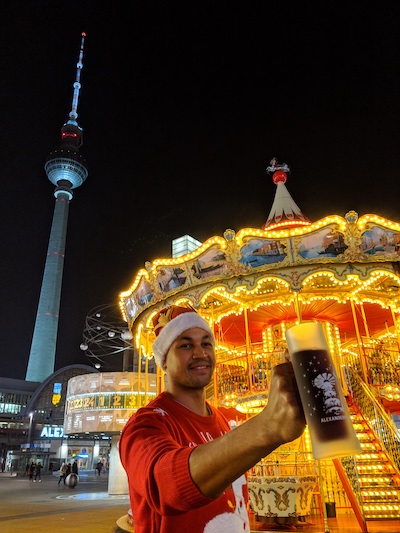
point(171, 322)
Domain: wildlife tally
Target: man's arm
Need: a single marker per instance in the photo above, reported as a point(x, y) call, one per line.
point(215, 465)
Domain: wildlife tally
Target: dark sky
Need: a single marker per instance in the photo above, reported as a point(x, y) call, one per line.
point(183, 104)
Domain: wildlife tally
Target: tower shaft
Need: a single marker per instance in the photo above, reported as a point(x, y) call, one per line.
point(43, 347)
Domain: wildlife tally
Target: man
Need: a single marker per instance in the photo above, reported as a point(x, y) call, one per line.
point(37, 472)
point(63, 473)
point(186, 469)
point(99, 467)
point(74, 467)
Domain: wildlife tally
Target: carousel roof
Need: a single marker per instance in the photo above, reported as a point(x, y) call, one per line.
point(343, 271)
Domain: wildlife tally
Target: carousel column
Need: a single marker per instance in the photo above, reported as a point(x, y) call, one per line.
point(396, 325)
point(249, 352)
point(160, 376)
point(117, 478)
point(297, 305)
point(364, 321)
point(216, 379)
point(359, 341)
point(146, 369)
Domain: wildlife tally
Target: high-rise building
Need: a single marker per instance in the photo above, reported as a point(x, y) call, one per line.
point(184, 245)
point(66, 169)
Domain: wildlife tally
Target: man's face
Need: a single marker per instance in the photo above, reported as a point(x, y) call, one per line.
point(190, 361)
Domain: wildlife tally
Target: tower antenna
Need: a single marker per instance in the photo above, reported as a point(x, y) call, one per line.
point(77, 85)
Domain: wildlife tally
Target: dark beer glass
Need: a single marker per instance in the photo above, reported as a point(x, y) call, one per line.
point(325, 408)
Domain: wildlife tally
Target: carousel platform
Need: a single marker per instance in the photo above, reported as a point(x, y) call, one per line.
point(343, 523)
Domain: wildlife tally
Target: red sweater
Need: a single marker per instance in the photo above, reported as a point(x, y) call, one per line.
point(154, 447)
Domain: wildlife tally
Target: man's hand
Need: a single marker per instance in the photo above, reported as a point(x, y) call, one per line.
point(283, 414)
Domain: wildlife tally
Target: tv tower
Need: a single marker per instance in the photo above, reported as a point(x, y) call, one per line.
point(66, 169)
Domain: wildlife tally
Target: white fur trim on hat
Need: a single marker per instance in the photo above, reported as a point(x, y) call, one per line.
point(173, 329)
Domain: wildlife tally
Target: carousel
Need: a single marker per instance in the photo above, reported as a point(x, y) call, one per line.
point(251, 285)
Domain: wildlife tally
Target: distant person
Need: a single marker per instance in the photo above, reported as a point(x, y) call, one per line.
point(37, 473)
point(74, 468)
point(26, 473)
point(32, 471)
point(63, 473)
point(68, 470)
point(99, 467)
point(51, 467)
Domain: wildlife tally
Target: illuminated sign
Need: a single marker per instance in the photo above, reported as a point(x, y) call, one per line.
point(52, 432)
point(55, 400)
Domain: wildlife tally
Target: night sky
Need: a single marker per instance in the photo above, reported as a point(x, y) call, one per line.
point(183, 104)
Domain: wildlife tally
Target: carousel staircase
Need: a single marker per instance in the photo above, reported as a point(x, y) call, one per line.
point(375, 479)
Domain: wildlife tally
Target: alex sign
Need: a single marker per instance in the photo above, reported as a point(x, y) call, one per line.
point(52, 432)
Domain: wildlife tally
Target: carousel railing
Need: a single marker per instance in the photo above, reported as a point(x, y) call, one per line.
point(241, 372)
point(285, 463)
point(383, 363)
point(377, 418)
point(377, 361)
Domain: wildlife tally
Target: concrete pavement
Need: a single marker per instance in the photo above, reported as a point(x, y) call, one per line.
point(43, 506)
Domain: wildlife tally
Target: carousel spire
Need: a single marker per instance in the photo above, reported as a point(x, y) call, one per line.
point(284, 213)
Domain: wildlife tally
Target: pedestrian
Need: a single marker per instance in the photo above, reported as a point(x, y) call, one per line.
point(68, 470)
point(32, 471)
point(63, 473)
point(74, 467)
point(99, 467)
point(51, 467)
point(186, 469)
point(37, 474)
point(26, 473)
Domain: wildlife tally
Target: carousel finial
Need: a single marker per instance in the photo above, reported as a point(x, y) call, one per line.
point(275, 166)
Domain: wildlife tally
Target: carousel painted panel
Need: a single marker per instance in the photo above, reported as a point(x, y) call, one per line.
point(258, 252)
point(210, 264)
point(139, 298)
point(380, 242)
point(281, 496)
point(352, 239)
point(170, 278)
point(319, 246)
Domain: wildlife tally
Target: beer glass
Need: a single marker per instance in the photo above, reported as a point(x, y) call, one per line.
point(325, 408)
